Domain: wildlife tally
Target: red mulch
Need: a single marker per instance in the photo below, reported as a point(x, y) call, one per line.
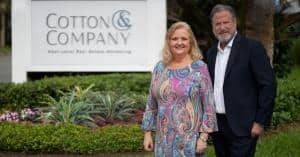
point(136, 118)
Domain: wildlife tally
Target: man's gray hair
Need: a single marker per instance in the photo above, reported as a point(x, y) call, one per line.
point(222, 7)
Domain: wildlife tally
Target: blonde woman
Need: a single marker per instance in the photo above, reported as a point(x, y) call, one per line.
point(180, 107)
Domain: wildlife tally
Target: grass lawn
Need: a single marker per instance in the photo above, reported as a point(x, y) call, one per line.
point(284, 142)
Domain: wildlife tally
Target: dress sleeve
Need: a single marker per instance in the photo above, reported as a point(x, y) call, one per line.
point(209, 121)
point(149, 118)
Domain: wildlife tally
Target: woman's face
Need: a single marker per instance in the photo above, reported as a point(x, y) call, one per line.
point(180, 43)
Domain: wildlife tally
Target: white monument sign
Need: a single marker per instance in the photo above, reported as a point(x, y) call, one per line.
point(86, 36)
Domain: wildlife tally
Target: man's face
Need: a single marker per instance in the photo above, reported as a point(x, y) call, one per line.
point(224, 26)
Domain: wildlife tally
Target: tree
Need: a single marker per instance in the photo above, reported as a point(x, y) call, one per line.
point(285, 32)
point(2, 22)
point(196, 14)
point(284, 21)
point(256, 19)
point(259, 23)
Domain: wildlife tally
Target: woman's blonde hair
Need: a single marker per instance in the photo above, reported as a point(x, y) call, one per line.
point(195, 52)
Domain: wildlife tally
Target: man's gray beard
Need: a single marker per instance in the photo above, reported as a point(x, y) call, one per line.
point(226, 40)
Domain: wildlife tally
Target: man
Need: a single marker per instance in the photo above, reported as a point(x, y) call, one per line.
point(244, 86)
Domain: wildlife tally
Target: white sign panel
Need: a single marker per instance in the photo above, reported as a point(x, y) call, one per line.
point(86, 36)
point(93, 33)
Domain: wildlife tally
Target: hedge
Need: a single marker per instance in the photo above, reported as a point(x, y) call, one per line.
point(70, 138)
point(287, 103)
point(78, 139)
point(31, 93)
point(15, 97)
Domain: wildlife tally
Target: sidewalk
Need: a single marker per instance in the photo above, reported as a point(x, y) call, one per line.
point(5, 68)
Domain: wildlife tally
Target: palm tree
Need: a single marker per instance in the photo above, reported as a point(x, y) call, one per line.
point(259, 23)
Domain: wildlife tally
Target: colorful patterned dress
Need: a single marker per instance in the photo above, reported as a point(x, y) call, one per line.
point(180, 105)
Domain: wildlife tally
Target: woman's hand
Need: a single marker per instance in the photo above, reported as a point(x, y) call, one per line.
point(201, 146)
point(148, 142)
point(202, 143)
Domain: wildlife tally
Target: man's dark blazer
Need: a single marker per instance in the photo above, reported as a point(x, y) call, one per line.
point(249, 85)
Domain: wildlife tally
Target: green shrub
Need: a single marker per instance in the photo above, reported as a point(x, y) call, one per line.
point(82, 106)
point(111, 106)
point(287, 104)
point(73, 107)
point(295, 49)
point(70, 138)
point(16, 97)
point(282, 59)
point(140, 100)
point(295, 77)
point(32, 93)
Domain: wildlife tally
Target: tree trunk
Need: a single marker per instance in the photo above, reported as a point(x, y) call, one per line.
point(259, 23)
point(2, 23)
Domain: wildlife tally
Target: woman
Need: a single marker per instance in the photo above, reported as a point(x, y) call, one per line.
point(180, 107)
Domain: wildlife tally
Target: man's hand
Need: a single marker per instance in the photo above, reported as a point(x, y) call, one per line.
point(148, 142)
point(257, 130)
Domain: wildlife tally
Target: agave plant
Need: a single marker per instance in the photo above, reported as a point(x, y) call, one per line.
point(111, 107)
point(73, 107)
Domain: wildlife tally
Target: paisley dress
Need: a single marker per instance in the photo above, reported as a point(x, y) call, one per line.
point(179, 106)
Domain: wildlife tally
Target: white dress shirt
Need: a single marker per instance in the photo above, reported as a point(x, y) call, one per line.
point(220, 68)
